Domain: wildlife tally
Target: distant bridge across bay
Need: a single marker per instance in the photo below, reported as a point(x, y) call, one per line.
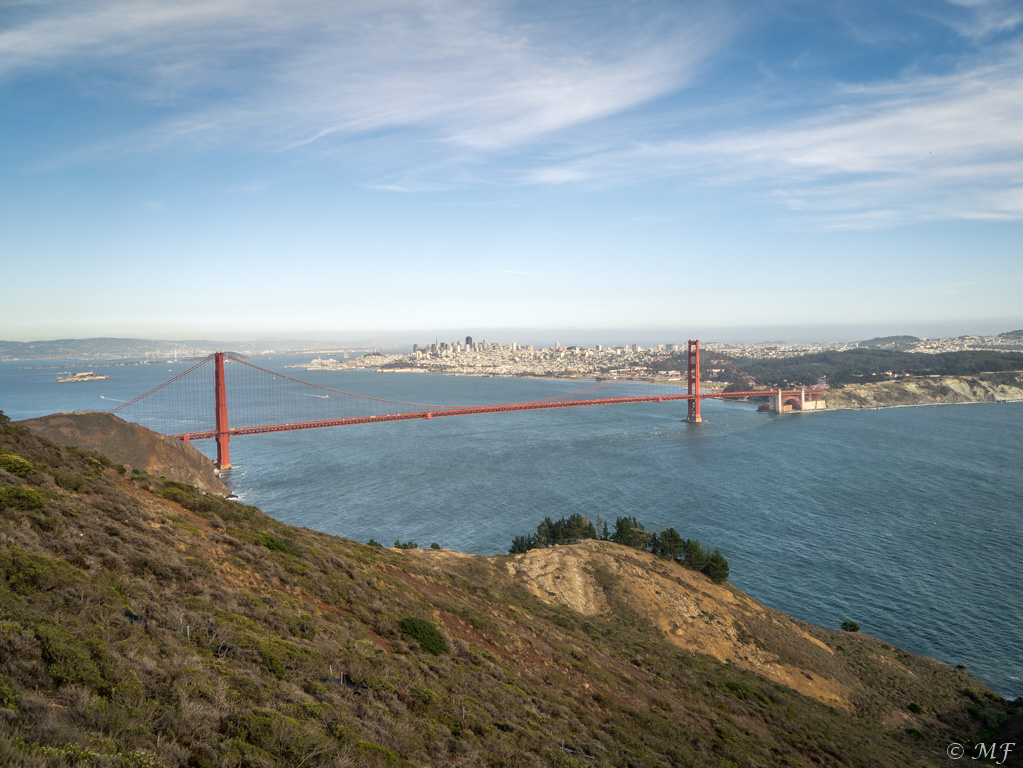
point(194, 404)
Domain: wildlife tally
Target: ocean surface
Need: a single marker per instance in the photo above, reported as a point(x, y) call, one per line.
point(905, 520)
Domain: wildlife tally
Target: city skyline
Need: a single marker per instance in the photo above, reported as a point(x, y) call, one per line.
point(232, 170)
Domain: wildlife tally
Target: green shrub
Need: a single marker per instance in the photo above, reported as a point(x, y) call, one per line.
point(10, 697)
point(69, 481)
point(272, 542)
point(16, 465)
point(745, 692)
point(275, 544)
point(375, 754)
point(71, 659)
point(850, 626)
point(176, 494)
point(48, 524)
point(28, 572)
point(26, 499)
point(425, 633)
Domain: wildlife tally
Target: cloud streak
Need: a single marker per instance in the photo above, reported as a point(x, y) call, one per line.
point(921, 147)
point(425, 96)
point(478, 77)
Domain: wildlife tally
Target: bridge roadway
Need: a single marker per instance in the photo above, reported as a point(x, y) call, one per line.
point(479, 409)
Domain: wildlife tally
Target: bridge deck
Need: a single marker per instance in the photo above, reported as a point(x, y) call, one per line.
point(481, 409)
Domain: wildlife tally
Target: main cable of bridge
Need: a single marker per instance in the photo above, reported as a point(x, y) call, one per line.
point(268, 390)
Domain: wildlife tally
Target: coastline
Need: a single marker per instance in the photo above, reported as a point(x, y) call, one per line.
point(987, 387)
point(1002, 387)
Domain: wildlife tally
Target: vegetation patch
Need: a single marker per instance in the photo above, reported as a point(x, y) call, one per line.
point(629, 532)
point(72, 658)
point(30, 572)
point(10, 696)
point(25, 499)
point(16, 465)
point(425, 633)
point(276, 544)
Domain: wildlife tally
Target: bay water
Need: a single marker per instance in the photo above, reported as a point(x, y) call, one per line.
point(905, 520)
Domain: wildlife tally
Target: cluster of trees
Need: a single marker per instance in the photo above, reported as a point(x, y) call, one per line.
point(628, 531)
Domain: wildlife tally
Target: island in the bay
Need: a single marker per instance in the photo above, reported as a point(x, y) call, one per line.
point(81, 376)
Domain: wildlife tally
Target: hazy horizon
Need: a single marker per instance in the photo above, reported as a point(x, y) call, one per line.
point(569, 336)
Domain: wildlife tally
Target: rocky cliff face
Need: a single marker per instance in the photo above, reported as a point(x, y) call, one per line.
point(982, 388)
point(129, 444)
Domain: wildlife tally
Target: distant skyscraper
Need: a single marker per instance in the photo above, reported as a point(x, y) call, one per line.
point(468, 341)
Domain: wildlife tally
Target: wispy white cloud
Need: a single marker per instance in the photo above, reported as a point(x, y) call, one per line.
point(423, 96)
point(476, 76)
point(150, 33)
point(983, 18)
point(916, 148)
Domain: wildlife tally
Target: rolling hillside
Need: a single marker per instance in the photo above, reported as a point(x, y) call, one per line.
point(144, 622)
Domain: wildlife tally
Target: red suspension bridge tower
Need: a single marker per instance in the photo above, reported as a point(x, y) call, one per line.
point(693, 376)
point(223, 436)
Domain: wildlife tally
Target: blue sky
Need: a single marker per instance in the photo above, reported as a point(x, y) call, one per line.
point(313, 168)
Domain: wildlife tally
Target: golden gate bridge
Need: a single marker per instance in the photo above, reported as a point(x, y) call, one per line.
point(194, 404)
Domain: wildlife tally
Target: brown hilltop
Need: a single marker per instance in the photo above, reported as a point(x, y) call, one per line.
point(147, 623)
point(136, 447)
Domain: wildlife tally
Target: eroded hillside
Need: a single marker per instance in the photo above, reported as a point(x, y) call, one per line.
point(147, 623)
point(983, 388)
point(131, 445)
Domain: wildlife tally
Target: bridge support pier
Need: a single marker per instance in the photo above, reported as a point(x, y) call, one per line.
point(223, 436)
point(693, 415)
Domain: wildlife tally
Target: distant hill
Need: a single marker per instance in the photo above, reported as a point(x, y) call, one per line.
point(108, 349)
point(148, 349)
point(890, 342)
point(145, 623)
point(859, 366)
